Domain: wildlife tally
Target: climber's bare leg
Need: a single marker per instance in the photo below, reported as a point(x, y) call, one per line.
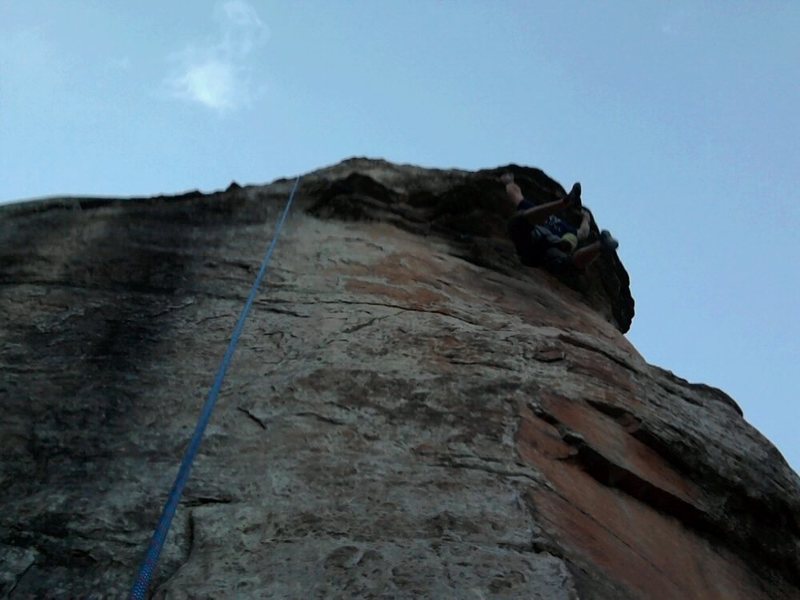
point(537, 214)
point(583, 257)
point(514, 193)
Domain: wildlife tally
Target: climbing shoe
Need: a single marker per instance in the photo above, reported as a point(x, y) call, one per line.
point(608, 241)
point(574, 197)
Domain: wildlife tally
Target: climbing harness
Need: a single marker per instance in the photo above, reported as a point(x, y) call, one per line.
point(150, 562)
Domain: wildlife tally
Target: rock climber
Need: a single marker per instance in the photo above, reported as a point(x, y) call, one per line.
point(544, 239)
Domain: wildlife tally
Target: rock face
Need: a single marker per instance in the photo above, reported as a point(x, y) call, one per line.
point(410, 412)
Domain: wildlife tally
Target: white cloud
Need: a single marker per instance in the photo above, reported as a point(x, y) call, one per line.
point(212, 83)
point(242, 29)
point(218, 74)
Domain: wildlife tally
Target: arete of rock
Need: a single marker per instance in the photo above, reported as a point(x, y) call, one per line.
point(410, 413)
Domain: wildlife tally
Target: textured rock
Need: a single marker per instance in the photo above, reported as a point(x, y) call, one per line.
point(410, 412)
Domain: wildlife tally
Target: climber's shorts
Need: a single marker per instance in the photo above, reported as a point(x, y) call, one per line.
point(535, 246)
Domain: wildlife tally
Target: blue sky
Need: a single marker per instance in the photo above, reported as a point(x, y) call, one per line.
point(679, 118)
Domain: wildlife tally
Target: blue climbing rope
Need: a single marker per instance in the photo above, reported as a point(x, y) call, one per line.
point(150, 562)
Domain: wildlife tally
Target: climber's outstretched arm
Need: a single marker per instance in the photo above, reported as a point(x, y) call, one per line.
point(539, 214)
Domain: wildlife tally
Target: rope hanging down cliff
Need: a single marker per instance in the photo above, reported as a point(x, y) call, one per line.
point(150, 562)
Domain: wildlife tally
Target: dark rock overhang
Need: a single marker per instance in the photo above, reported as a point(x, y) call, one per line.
point(470, 210)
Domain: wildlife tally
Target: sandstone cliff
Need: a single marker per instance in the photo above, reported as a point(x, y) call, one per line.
point(410, 413)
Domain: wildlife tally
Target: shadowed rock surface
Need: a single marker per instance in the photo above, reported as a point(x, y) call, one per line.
point(410, 414)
